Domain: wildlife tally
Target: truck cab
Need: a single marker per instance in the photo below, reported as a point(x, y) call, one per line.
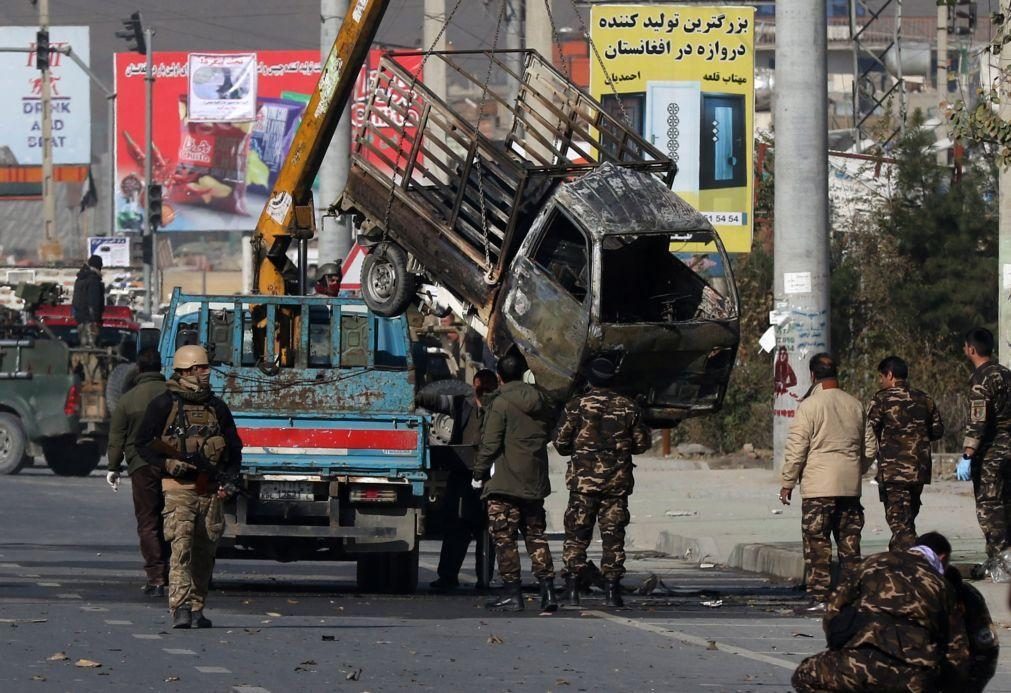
point(598, 274)
point(334, 458)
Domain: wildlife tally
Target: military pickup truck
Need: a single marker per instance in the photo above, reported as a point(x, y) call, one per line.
point(335, 459)
point(55, 396)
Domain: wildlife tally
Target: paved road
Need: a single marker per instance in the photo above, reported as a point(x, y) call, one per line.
point(69, 583)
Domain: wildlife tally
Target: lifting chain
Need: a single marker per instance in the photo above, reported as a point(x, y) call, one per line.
point(600, 61)
point(480, 168)
point(407, 110)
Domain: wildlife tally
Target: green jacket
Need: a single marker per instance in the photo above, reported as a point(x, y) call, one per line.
point(126, 420)
point(517, 425)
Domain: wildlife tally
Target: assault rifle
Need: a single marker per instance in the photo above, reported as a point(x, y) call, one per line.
point(229, 482)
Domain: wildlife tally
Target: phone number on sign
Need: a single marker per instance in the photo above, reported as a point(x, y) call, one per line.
point(725, 218)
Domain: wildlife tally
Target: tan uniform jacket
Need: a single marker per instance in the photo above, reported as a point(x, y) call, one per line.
point(825, 447)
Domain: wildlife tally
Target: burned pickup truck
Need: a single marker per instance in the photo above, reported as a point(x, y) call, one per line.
point(562, 240)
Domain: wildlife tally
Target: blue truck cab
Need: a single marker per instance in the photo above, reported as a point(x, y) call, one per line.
point(335, 459)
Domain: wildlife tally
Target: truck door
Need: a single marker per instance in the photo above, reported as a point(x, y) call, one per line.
point(547, 302)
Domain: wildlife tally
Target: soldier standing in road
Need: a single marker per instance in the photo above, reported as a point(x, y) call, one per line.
point(893, 627)
point(189, 419)
point(987, 445)
point(145, 479)
point(825, 454)
point(601, 430)
point(901, 422)
point(512, 467)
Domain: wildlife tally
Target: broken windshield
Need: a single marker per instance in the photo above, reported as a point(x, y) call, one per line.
point(665, 278)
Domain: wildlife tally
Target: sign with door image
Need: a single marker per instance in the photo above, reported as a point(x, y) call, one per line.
point(684, 78)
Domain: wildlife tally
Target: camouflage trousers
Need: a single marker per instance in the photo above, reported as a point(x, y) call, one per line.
point(902, 505)
point(193, 525)
point(841, 517)
point(508, 516)
point(993, 499)
point(860, 669)
point(583, 511)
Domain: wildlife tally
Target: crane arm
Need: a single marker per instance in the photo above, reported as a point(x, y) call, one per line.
point(289, 213)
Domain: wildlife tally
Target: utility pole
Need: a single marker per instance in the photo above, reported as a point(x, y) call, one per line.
point(1004, 224)
point(334, 239)
point(538, 28)
point(50, 248)
point(801, 259)
point(435, 70)
point(151, 268)
point(942, 53)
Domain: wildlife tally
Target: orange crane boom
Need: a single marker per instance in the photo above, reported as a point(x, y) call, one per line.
point(289, 212)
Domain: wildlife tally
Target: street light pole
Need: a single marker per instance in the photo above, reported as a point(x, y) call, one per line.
point(50, 248)
point(153, 298)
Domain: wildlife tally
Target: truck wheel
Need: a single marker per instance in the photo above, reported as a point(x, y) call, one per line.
point(120, 380)
point(387, 286)
point(66, 457)
point(389, 573)
point(13, 442)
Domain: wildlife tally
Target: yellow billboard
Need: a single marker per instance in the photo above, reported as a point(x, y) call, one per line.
point(684, 76)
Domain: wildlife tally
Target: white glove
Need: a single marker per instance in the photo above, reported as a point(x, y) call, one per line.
point(476, 485)
point(112, 478)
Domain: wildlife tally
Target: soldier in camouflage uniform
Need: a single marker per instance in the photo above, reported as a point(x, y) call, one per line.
point(988, 439)
point(901, 422)
point(189, 420)
point(511, 466)
point(893, 628)
point(601, 430)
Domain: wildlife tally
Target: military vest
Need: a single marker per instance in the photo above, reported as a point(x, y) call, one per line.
point(193, 428)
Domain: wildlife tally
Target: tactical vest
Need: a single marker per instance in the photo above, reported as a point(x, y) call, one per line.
point(194, 428)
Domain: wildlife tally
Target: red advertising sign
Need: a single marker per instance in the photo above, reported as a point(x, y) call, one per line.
point(216, 175)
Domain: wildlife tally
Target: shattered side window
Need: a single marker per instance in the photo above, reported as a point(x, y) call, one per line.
point(565, 254)
point(651, 278)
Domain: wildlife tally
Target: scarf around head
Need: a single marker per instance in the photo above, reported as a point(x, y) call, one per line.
point(187, 388)
point(932, 558)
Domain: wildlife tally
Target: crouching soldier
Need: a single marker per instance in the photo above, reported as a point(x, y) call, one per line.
point(190, 435)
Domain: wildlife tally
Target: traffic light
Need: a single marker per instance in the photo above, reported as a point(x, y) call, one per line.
point(962, 18)
point(42, 50)
point(146, 248)
point(133, 32)
point(153, 206)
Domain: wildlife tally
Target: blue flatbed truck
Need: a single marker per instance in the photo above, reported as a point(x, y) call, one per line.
point(335, 458)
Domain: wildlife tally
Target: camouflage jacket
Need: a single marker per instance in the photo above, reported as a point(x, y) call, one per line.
point(907, 609)
point(901, 422)
point(601, 430)
point(989, 420)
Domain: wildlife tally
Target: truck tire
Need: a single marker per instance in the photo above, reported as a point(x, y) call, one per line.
point(387, 286)
point(120, 381)
point(13, 443)
point(66, 457)
point(388, 573)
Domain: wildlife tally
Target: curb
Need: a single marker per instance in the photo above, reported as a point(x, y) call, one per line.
point(768, 559)
point(788, 563)
point(695, 549)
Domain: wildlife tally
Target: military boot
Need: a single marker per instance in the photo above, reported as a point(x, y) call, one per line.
point(511, 598)
point(201, 621)
point(548, 601)
point(182, 617)
point(612, 594)
point(571, 596)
